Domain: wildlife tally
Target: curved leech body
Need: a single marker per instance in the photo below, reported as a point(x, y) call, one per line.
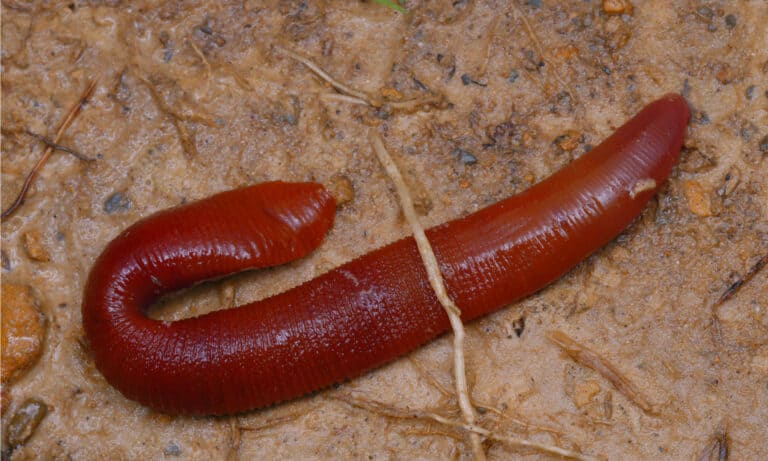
point(364, 313)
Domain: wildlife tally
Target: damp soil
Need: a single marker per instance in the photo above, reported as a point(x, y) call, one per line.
point(193, 98)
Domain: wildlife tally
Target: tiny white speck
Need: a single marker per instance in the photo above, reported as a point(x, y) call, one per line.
point(642, 185)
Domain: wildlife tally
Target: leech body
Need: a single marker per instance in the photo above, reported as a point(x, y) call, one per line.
point(364, 313)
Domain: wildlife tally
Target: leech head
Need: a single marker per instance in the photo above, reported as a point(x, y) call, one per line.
point(642, 185)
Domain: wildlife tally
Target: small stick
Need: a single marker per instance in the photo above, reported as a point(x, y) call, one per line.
point(49, 142)
point(340, 87)
point(71, 115)
point(717, 333)
point(735, 286)
point(384, 410)
point(718, 448)
point(581, 354)
point(438, 285)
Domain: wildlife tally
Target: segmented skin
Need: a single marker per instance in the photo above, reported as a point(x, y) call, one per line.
point(364, 313)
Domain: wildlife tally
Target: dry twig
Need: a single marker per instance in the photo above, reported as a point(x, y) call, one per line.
point(717, 449)
point(73, 112)
point(729, 293)
point(581, 354)
point(735, 286)
point(437, 283)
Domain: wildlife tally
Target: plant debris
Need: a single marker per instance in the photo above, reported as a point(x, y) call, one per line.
point(438, 285)
point(73, 112)
point(717, 449)
point(389, 412)
point(735, 286)
point(581, 354)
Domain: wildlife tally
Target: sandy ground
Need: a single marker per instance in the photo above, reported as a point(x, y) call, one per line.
point(195, 98)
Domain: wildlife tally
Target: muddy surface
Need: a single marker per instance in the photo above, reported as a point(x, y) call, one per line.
point(195, 98)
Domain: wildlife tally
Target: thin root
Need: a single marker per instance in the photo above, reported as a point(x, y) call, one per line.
point(581, 354)
point(178, 119)
point(49, 143)
point(540, 49)
point(352, 96)
point(340, 87)
point(438, 285)
point(343, 98)
point(384, 410)
point(73, 112)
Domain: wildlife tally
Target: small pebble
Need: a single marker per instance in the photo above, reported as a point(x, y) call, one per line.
point(534, 3)
point(342, 189)
point(617, 7)
point(750, 92)
point(763, 145)
point(567, 141)
point(731, 181)
point(724, 74)
point(117, 202)
point(391, 94)
point(172, 450)
point(701, 117)
point(5, 261)
point(698, 200)
point(464, 156)
point(23, 331)
point(730, 21)
point(513, 75)
point(518, 325)
point(686, 90)
point(34, 249)
point(25, 421)
point(705, 12)
point(465, 79)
